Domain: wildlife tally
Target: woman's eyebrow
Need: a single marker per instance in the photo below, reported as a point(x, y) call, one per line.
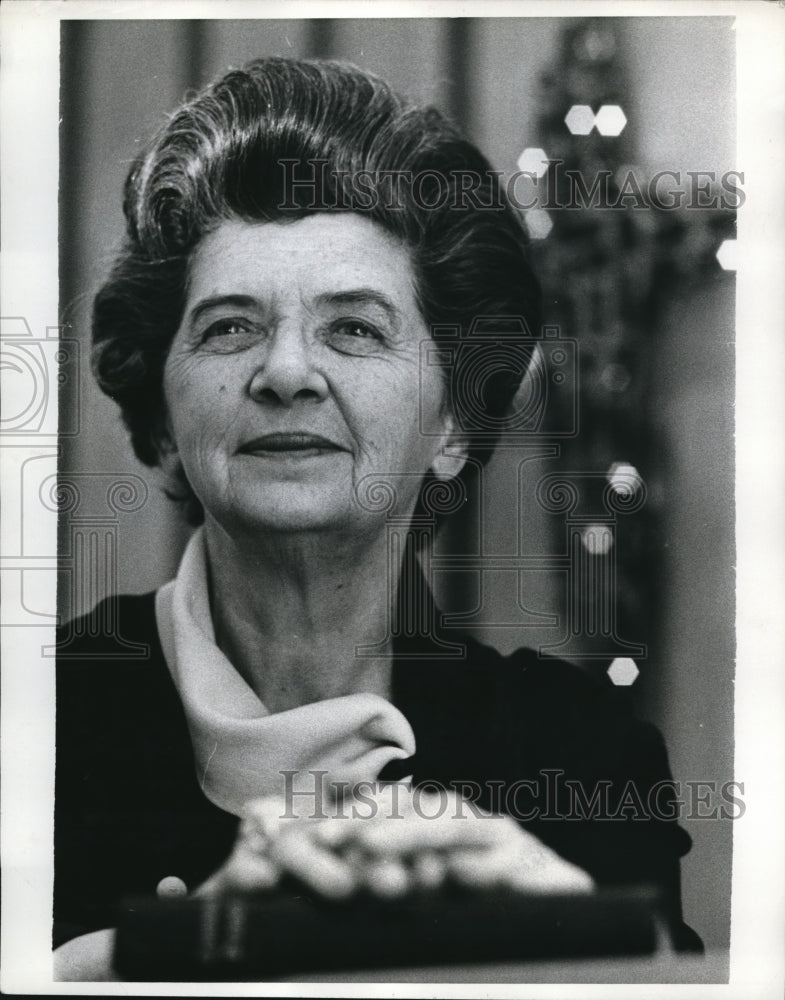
point(221, 301)
point(354, 296)
point(362, 296)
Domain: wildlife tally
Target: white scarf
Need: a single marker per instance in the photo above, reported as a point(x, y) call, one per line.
point(240, 747)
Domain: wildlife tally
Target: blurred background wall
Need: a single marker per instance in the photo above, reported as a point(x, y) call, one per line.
point(674, 79)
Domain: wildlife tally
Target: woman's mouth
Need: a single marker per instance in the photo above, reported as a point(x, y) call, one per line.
point(294, 443)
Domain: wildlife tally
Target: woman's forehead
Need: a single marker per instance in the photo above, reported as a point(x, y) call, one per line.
point(320, 256)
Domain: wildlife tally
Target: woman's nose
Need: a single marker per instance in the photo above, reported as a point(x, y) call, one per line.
point(286, 372)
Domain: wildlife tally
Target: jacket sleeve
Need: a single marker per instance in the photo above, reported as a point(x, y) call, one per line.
point(603, 795)
point(129, 809)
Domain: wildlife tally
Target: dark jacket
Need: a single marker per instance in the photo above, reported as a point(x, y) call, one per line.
point(534, 737)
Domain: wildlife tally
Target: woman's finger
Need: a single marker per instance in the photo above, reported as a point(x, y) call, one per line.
point(550, 879)
point(425, 830)
point(538, 869)
point(249, 871)
point(383, 876)
point(403, 822)
point(298, 853)
point(478, 868)
point(428, 870)
point(336, 832)
point(246, 870)
point(386, 877)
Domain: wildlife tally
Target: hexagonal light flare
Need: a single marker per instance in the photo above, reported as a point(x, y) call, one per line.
point(623, 671)
point(533, 161)
point(610, 120)
point(726, 255)
point(538, 223)
point(579, 119)
point(622, 476)
point(597, 539)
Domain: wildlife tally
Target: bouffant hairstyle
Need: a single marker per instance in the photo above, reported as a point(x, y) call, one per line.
point(281, 139)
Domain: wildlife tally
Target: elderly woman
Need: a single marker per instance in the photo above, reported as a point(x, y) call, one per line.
point(296, 235)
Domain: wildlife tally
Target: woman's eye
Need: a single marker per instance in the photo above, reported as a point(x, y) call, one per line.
point(229, 335)
point(227, 328)
point(356, 328)
point(355, 336)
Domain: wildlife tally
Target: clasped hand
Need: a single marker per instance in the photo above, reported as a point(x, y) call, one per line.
point(406, 841)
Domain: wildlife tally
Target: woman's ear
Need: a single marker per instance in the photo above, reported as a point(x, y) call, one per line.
point(451, 458)
point(529, 402)
point(168, 455)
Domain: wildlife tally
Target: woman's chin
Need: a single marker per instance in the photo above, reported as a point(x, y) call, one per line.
point(293, 515)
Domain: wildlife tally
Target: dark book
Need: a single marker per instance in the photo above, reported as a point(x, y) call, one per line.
point(263, 937)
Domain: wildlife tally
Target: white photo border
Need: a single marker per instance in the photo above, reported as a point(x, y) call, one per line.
point(29, 288)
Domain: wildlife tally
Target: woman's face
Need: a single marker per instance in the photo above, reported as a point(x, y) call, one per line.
point(295, 372)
